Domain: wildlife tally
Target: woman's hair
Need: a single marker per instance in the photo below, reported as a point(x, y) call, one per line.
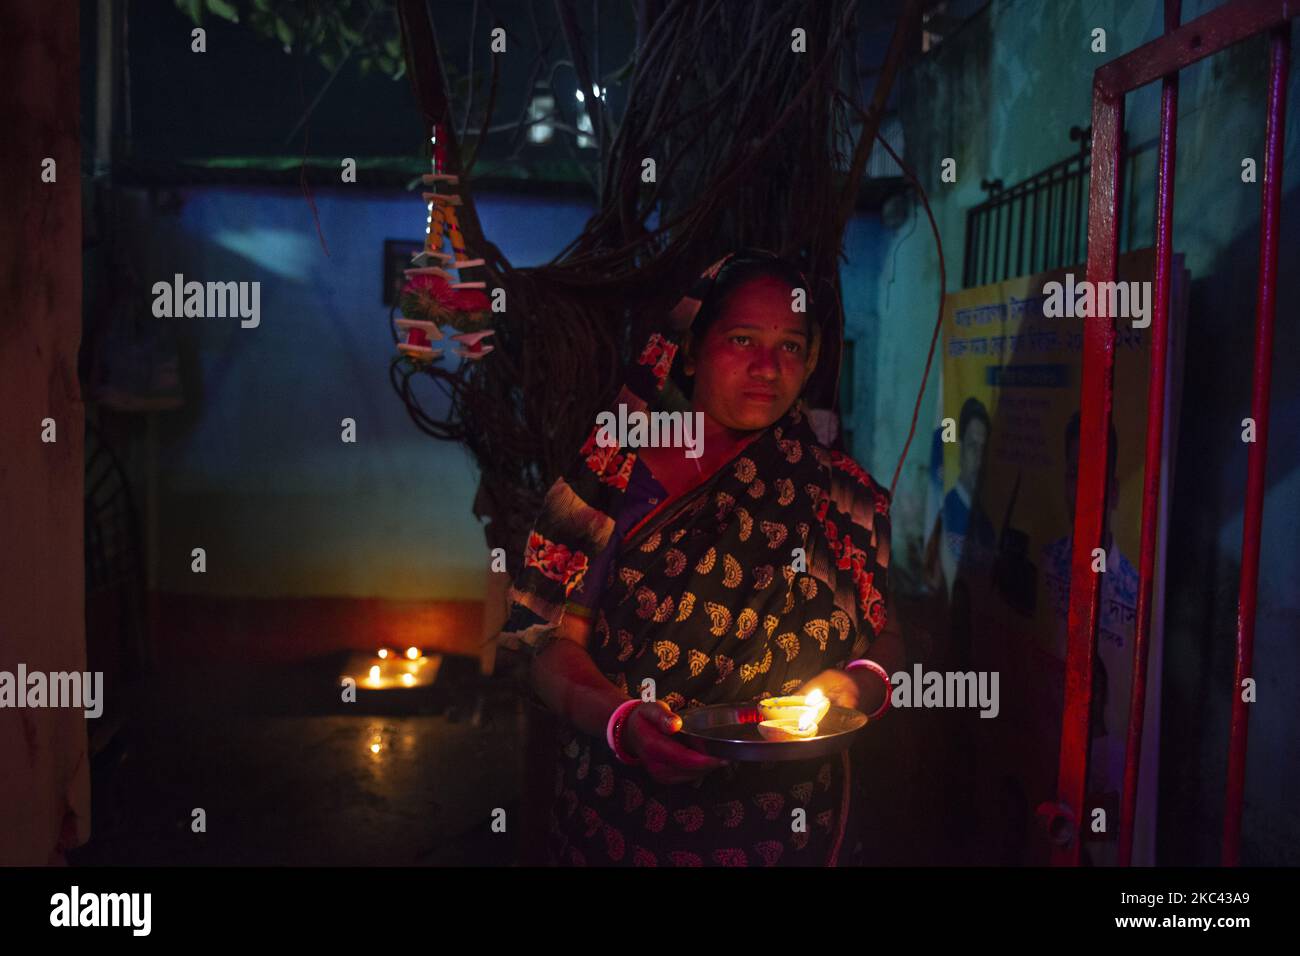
point(744, 267)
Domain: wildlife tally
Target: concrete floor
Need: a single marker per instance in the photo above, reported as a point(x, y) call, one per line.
point(287, 774)
point(290, 775)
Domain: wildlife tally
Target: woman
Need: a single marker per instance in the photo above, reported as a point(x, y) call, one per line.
point(755, 569)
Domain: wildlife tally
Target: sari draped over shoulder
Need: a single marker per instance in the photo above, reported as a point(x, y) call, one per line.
point(771, 571)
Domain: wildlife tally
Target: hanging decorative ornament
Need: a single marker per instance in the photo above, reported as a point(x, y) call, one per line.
point(432, 296)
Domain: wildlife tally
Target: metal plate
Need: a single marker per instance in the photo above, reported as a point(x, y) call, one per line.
point(730, 731)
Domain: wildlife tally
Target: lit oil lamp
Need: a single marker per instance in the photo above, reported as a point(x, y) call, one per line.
point(792, 718)
point(386, 670)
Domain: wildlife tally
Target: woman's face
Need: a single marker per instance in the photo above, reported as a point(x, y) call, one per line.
point(754, 360)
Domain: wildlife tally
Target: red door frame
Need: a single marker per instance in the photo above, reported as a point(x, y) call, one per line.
point(1161, 59)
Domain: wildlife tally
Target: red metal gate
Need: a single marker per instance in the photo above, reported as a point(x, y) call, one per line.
point(1161, 60)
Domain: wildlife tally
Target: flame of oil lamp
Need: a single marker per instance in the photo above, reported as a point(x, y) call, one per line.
point(813, 704)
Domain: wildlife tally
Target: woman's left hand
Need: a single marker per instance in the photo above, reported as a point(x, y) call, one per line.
point(840, 688)
point(843, 690)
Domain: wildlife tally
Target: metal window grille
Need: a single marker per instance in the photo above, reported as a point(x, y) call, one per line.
point(1038, 224)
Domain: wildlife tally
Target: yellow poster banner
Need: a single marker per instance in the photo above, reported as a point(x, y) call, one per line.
point(1000, 547)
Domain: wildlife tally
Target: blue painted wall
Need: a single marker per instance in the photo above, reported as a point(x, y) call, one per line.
point(252, 468)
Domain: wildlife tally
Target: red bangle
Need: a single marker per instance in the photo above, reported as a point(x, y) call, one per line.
point(879, 671)
point(614, 730)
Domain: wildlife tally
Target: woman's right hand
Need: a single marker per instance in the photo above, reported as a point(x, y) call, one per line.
point(647, 736)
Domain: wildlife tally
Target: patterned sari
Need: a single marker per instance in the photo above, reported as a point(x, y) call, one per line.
point(711, 600)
